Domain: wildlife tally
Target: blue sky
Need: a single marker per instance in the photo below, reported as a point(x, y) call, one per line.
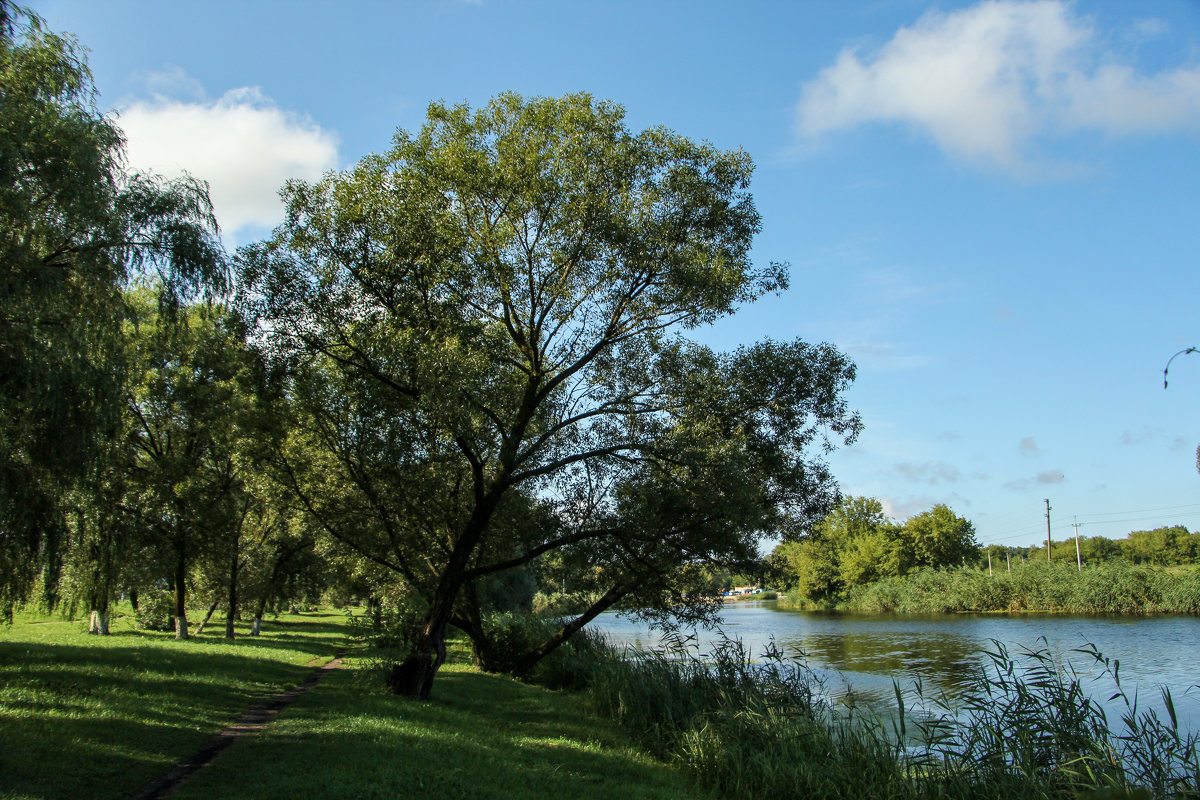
point(993, 207)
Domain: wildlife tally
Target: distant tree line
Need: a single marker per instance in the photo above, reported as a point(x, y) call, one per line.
point(1164, 546)
point(856, 545)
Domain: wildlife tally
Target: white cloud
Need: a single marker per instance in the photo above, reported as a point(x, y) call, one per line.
point(989, 81)
point(1028, 447)
point(1144, 434)
point(243, 144)
point(931, 472)
point(903, 509)
point(1047, 478)
point(1151, 28)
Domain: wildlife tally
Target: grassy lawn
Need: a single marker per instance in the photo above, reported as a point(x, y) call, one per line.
point(93, 717)
point(96, 717)
point(482, 736)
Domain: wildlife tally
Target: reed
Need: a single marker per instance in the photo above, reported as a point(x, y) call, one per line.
point(1110, 588)
point(1024, 728)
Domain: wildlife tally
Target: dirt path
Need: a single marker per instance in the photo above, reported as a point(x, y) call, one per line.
point(254, 720)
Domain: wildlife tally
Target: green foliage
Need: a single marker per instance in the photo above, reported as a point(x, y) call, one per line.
point(74, 228)
point(511, 635)
point(1166, 546)
point(156, 608)
point(1110, 588)
point(484, 326)
point(938, 538)
point(856, 545)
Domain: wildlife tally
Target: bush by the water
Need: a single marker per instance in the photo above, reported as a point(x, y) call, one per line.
point(1111, 588)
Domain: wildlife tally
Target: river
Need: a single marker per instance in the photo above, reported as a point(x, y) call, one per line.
point(863, 654)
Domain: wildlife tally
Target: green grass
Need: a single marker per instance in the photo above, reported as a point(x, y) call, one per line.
point(96, 717)
point(481, 736)
point(92, 717)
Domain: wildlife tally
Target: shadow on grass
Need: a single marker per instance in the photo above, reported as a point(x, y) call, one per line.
point(481, 737)
point(84, 716)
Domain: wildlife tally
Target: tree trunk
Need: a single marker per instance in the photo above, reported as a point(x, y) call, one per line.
point(233, 598)
point(211, 610)
point(256, 626)
point(181, 623)
point(470, 620)
point(414, 676)
point(530, 659)
point(133, 598)
point(99, 621)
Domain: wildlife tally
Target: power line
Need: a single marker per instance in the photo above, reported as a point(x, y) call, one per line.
point(1140, 510)
point(1134, 519)
point(1032, 529)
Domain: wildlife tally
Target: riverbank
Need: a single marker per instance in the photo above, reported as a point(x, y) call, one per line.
point(1020, 725)
point(1109, 588)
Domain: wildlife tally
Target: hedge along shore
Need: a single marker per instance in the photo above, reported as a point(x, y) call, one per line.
point(1110, 588)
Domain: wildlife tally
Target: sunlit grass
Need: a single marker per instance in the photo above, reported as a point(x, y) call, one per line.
point(481, 736)
point(93, 716)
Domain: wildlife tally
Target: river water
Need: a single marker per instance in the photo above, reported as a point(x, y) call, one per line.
point(861, 655)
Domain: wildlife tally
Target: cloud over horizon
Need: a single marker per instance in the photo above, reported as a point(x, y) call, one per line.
point(242, 143)
point(1046, 478)
point(990, 82)
point(930, 472)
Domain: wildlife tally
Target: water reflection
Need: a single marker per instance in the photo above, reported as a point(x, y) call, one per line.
point(862, 655)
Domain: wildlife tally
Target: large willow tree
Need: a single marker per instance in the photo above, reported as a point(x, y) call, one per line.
point(486, 328)
point(74, 228)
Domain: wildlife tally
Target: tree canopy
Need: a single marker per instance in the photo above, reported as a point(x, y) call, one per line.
point(485, 329)
point(75, 227)
point(856, 544)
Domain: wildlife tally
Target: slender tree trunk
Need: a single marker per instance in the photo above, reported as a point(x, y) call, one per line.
point(181, 623)
point(233, 598)
point(471, 621)
point(211, 610)
point(99, 618)
point(606, 601)
point(256, 626)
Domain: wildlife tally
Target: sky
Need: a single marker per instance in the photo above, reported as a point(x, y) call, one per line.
point(993, 207)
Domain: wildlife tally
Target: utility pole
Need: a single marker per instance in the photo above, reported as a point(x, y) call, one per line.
point(1047, 530)
point(1078, 557)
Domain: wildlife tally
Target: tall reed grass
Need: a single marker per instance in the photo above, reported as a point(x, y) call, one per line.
point(1025, 728)
point(1112, 588)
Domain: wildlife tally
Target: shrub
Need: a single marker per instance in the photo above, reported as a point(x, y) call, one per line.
point(156, 607)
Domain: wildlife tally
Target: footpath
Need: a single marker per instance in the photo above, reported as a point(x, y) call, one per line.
point(254, 720)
